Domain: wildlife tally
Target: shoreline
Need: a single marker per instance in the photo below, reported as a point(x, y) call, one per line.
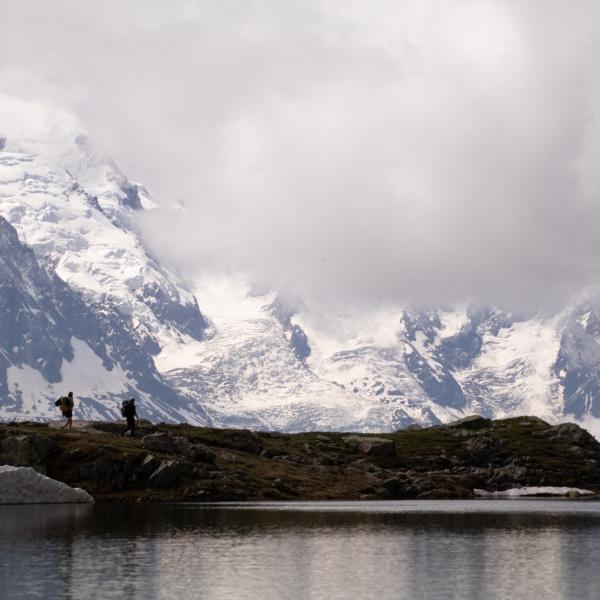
point(182, 463)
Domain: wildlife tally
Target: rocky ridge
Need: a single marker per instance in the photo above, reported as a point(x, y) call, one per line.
point(185, 463)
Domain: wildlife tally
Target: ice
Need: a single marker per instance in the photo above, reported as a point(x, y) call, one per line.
point(24, 485)
point(534, 491)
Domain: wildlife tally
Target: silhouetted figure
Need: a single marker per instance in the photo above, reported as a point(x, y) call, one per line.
point(66, 405)
point(129, 412)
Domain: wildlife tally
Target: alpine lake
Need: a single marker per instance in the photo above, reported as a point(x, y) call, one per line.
point(463, 549)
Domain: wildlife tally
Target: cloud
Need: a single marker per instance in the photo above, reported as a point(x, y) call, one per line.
point(588, 422)
point(389, 151)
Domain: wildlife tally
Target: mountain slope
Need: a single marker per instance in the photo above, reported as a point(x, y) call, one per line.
point(87, 305)
point(73, 206)
point(52, 339)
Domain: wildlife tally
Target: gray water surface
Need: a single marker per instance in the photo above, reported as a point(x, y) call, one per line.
point(484, 549)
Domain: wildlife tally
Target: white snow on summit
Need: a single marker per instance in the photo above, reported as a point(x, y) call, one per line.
point(72, 205)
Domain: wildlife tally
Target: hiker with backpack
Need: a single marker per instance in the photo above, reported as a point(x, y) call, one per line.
point(66, 404)
point(129, 412)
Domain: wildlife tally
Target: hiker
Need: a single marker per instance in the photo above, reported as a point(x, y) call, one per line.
point(129, 412)
point(66, 405)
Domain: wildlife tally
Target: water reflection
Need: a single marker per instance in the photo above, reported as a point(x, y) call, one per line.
point(469, 550)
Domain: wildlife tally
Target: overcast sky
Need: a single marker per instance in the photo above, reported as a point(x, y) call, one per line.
point(368, 151)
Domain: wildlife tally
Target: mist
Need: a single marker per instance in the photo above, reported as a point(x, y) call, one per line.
point(388, 151)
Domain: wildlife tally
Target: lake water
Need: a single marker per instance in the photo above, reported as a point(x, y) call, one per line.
point(488, 549)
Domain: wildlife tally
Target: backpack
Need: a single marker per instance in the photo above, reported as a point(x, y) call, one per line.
point(66, 403)
point(127, 408)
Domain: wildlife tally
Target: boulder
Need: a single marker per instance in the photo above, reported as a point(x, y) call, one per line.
point(243, 440)
point(395, 487)
point(362, 464)
point(374, 446)
point(197, 452)
point(30, 450)
point(169, 473)
point(160, 442)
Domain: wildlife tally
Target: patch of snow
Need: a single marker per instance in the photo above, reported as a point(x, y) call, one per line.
point(533, 491)
point(583, 320)
point(24, 485)
point(452, 322)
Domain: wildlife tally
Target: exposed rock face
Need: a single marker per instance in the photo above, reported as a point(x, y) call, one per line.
point(373, 446)
point(159, 442)
point(27, 451)
point(47, 326)
point(568, 431)
point(168, 444)
point(169, 473)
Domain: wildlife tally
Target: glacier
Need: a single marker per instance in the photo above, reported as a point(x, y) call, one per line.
point(85, 304)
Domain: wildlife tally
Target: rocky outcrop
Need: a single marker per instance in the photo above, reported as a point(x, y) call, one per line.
point(168, 444)
point(176, 463)
point(31, 450)
point(374, 446)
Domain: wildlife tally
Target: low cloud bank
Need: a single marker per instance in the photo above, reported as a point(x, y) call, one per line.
point(397, 152)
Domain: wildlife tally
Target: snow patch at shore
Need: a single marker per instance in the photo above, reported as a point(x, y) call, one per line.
point(24, 485)
point(534, 491)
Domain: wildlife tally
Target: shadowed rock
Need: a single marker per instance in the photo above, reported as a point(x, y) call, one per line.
point(27, 451)
point(373, 446)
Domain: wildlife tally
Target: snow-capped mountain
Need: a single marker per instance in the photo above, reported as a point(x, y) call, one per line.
point(52, 339)
point(87, 306)
point(71, 204)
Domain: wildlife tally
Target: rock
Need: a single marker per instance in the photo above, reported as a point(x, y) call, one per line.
point(228, 457)
point(441, 486)
point(530, 421)
point(243, 440)
point(472, 422)
point(160, 442)
point(149, 464)
point(169, 473)
point(395, 487)
point(102, 469)
point(567, 431)
point(198, 452)
point(374, 446)
point(483, 445)
point(283, 485)
point(23, 485)
point(364, 465)
point(30, 450)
